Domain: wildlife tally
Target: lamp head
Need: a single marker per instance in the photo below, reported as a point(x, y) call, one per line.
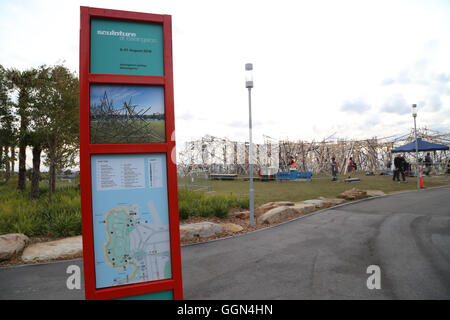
point(249, 75)
point(414, 110)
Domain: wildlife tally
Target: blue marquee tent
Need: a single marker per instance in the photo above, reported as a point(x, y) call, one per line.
point(423, 146)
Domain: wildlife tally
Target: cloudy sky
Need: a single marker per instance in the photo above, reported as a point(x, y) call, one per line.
point(348, 68)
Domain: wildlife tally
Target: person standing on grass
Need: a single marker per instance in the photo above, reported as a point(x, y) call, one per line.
point(403, 167)
point(428, 163)
point(350, 167)
point(399, 168)
point(334, 169)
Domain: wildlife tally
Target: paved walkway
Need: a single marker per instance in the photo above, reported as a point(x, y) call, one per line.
point(320, 256)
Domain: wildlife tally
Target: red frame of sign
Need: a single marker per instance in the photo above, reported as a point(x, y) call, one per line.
point(87, 149)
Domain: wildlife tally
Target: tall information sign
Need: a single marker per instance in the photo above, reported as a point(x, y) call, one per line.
point(131, 241)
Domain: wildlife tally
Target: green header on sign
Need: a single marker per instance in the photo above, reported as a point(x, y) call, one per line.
point(123, 47)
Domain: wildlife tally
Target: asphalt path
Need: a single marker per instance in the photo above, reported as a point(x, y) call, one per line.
point(325, 255)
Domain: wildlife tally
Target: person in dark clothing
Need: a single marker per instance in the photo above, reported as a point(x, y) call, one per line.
point(334, 169)
point(404, 167)
point(428, 163)
point(399, 168)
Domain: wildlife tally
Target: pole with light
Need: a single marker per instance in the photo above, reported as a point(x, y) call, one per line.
point(414, 114)
point(249, 86)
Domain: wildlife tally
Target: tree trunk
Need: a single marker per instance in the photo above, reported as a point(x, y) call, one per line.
point(13, 159)
point(7, 168)
point(36, 172)
point(50, 192)
point(1, 159)
point(22, 170)
point(51, 172)
point(54, 178)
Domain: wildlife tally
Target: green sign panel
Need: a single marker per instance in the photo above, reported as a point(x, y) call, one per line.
point(123, 47)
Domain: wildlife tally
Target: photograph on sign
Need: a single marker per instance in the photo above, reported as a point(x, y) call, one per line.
point(126, 114)
point(130, 218)
point(126, 47)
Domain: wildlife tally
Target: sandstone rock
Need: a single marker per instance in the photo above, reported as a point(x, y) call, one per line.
point(303, 208)
point(11, 244)
point(316, 202)
point(199, 230)
point(231, 227)
point(375, 193)
point(242, 214)
point(271, 205)
point(276, 214)
point(59, 249)
point(332, 202)
point(353, 194)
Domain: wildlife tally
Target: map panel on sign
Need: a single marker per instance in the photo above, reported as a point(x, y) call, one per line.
point(131, 220)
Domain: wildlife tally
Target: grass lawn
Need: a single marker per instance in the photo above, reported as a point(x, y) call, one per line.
point(319, 186)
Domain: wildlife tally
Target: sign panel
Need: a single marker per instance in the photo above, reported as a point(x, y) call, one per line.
point(128, 177)
point(131, 219)
point(127, 114)
point(126, 47)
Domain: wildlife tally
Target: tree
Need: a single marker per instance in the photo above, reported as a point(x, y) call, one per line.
point(24, 83)
point(37, 137)
point(56, 119)
point(7, 119)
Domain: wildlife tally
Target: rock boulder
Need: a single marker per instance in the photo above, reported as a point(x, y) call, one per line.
point(316, 202)
point(276, 214)
point(303, 208)
point(375, 193)
point(12, 244)
point(331, 202)
point(353, 194)
point(242, 215)
point(271, 205)
point(54, 250)
point(280, 213)
point(199, 230)
point(231, 227)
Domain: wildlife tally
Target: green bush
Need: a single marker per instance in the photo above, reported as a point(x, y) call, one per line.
point(18, 213)
point(192, 203)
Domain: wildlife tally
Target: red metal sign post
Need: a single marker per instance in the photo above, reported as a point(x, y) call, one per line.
point(117, 70)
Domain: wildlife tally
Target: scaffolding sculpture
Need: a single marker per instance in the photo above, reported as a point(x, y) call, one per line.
point(223, 156)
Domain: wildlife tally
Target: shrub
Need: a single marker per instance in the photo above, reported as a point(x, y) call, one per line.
point(193, 203)
point(18, 213)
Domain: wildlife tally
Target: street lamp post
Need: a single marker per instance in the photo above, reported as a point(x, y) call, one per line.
point(414, 114)
point(249, 86)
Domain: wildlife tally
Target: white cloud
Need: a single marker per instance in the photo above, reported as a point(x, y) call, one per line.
point(396, 104)
point(358, 106)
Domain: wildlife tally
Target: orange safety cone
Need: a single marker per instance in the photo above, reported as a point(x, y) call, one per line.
point(420, 178)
